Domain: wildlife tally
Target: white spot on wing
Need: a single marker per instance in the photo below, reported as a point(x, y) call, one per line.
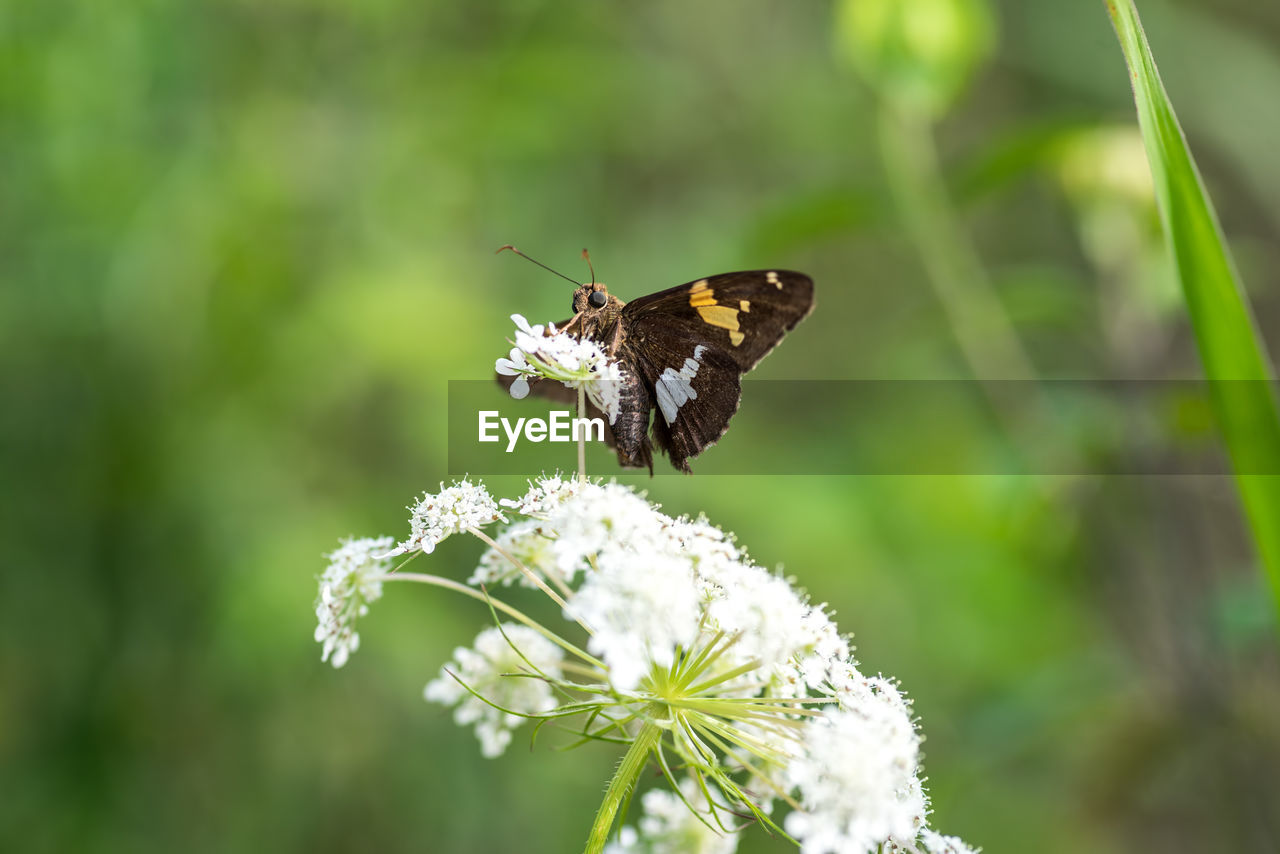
point(675, 388)
point(772, 278)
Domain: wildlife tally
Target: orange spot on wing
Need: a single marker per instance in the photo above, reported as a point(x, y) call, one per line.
point(701, 295)
point(723, 317)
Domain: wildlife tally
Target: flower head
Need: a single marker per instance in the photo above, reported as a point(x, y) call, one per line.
point(642, 607)
point(543, 351)
point(508, 667)
point(792, 642)
point(458, 508)
point(694, 656)
point(545, 495)
point(857, 773)
point(604, 517)
point(347, 587)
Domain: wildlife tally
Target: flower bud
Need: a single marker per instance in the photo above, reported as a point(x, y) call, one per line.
point(919, 54)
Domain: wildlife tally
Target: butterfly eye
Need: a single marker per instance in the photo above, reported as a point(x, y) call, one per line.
point(597, 299)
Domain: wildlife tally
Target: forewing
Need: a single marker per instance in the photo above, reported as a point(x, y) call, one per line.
point(744, 315)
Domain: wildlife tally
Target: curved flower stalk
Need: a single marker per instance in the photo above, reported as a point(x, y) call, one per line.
point(543, 352)
point(675, 645)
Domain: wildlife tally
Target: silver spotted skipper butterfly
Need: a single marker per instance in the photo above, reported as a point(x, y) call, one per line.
point(682, 351)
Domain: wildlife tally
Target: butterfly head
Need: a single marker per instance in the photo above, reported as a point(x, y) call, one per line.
point(594, 298)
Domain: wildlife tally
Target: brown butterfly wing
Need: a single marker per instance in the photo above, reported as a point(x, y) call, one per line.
point(744, 314)
point(692, 402)
point(693, 342)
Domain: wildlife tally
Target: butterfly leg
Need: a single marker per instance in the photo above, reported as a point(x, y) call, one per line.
point(573, 326)
point(618, 336)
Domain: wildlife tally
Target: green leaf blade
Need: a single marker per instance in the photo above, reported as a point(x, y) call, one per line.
point(1229, 342)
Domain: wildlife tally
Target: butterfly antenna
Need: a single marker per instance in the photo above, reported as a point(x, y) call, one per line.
point(587, 258)
point(539, 263)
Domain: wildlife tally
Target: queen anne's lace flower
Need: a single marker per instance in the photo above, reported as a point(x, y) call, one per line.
point(703, 543)
point(487, 670)
point(543, 351)
point(600, 518)
point(790, 640)
point(767, 612)
point(695, 653)
point(545, 495)
point(856, 776)
point(642, 607)
point(347, 587)
point(458, 508)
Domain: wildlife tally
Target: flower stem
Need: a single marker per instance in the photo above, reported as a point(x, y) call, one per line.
point(529, 573)
point(623, 779)
point(450, 584)
point(582, 436)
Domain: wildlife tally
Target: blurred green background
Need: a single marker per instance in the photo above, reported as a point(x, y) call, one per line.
point(244, 246)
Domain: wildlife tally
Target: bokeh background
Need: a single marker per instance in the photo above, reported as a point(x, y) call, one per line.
point(244, 246)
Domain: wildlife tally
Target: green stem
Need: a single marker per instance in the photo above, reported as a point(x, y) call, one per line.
point(623, 779)
point(582, 436)
point(450, 584)
point(528, 573)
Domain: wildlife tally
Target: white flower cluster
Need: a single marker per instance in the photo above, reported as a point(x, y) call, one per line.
point(544, 495)
point(347, 587)
point(659, 583)
point(459, 508)
point(696, 657)
point(508, 666)
point(857, 777)
point(543, 351)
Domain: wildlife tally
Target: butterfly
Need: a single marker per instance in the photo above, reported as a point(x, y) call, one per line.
point(682, 352)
